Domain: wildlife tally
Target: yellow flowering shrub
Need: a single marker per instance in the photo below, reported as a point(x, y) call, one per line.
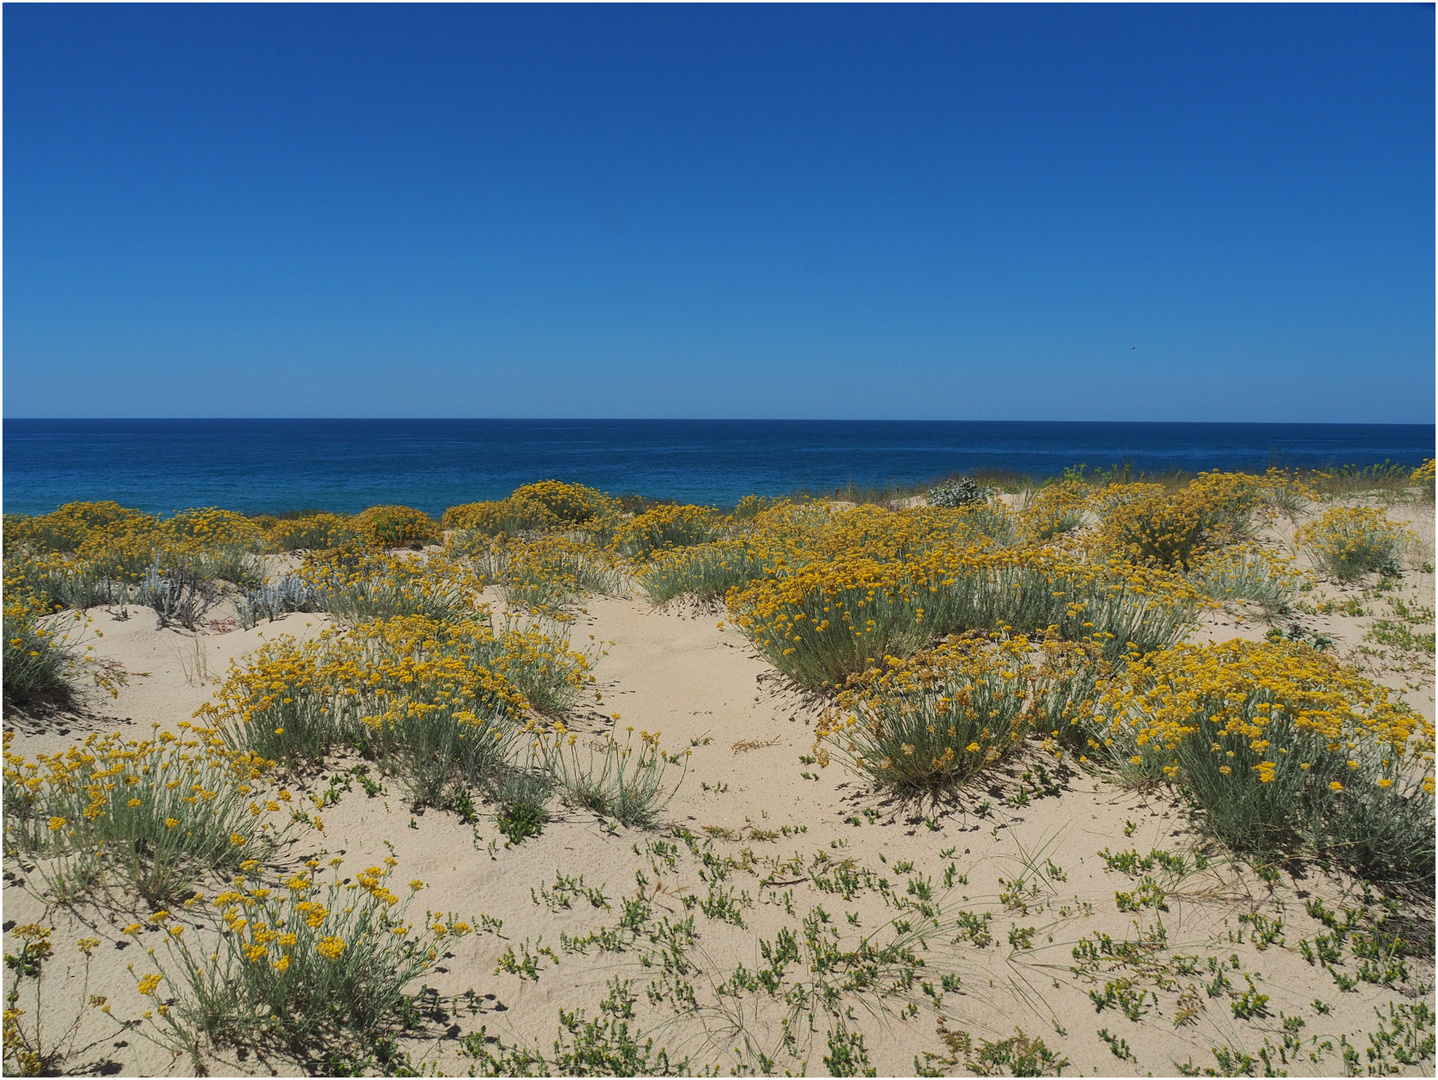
point(1424, 476)
point(360, 584)
point(304, 961)
point(824, 621)
point(1054, 510)
point(664, 528)
point(1278, 742)
point(65, 529)
point(1148, 523)
point(1249, 574)
point(212, 528)
point(161, 812)
point(124, 550)
point(750, 506)
point(1350, 541)
point(45, 654)
point(438, 702)
point(936, 718)
point(396, 526)
point(571, 504)
point(505, 517)
point(312, 532)
point(705, 571)
point(548, 573)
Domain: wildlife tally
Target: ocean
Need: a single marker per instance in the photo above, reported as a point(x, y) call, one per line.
point(259, 466)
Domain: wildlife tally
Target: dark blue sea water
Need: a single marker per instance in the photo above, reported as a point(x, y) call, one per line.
point(345, 465)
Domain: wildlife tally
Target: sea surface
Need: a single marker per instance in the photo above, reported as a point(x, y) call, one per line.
point(345, 465)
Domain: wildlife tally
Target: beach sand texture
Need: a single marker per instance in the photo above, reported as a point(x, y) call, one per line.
point(978, 932)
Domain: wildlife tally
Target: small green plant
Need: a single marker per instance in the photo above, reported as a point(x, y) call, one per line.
point(1119, 1047)
point(1018, 1055)
point(847, 1055)
point(608, 1045)
point(525, 964)
point(619, 781)
point(29, 1048)
point(1250, 1003)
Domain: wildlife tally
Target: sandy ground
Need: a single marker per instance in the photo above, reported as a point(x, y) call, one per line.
point(774, 828)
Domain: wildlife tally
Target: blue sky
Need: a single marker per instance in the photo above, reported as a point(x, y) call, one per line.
point(1095, 213)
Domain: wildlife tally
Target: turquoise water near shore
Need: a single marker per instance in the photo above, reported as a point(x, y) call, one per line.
point(345, 465)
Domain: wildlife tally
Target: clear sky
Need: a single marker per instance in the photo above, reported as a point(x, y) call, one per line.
point(1138, 213)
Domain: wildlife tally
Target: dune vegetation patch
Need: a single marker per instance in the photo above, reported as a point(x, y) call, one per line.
point(1105, 774)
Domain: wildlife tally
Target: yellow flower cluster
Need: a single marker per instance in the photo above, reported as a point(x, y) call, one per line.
point(937, 717)
point(664, 528)
point(504, 517)
point(362, 584)
point(571, 504)
point(1151, 524)
point(1265, 703)
point(851, 587)
point(396, 526)
point(184, 803)
point(1348, 541)
point(312, 532)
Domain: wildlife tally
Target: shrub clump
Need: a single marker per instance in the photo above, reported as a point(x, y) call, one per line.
point(1350, 541)
point(358, 584)
point(513, 516)
point(300, 964)
point(65, 529)
point(548, 573)
point(1148, 523)
point(1281, 745)
point(965, 491)
point(396, 526)
point(573, 505)
point(435, 702)
point(665, 528)
point(935, 719)
point(311, 532)
point(706, 571)
point(614, 780)
point(159, 812)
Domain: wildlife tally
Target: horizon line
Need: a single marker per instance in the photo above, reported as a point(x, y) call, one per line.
point(728, 420)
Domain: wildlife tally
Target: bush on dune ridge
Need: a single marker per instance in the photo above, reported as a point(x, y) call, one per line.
point(437, 702)
point(824, 622)
point(396, 526)
point(513, 516)
point(665, 528)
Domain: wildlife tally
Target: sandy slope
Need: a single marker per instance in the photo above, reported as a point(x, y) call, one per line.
point(779, 827)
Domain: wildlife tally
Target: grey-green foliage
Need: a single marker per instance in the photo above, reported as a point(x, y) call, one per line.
point(965, 491)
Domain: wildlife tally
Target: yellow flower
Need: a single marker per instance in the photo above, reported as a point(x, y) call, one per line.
point(57, 823)
point(1334, 785)
point(148, 983)
point(330, 948)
